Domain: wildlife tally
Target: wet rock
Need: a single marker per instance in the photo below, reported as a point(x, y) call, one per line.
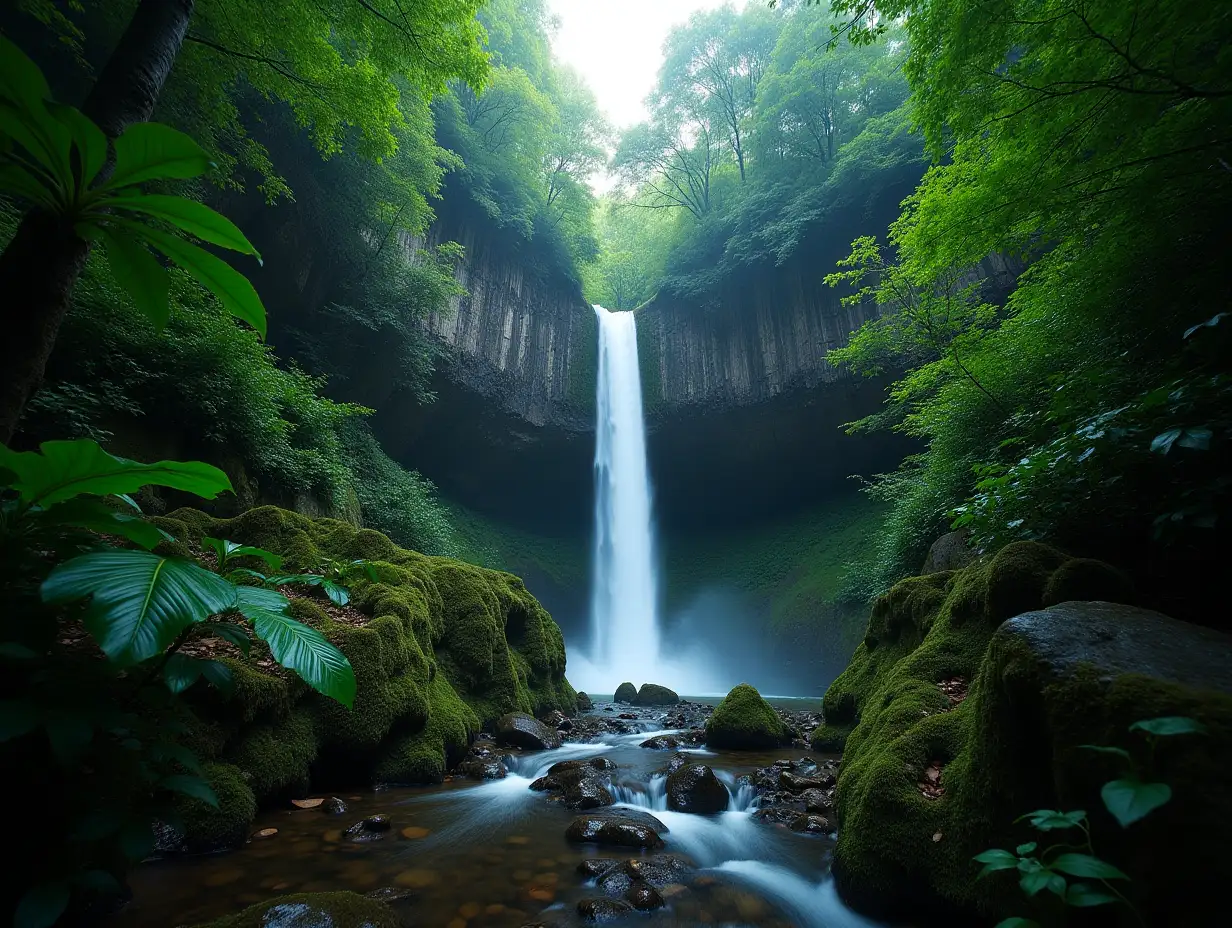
point(373, 828)
point(625, 828)
point(794, 783)
point(546, 785)
point(817, 800)
point(595, 763)
point(744, 721)
point(677, 761)
point(776, 815)
point(695, 788)
point(583, 703)
point(389, 894)
point(317, 910)
point(627, 715)
point(476, 769)
point(603, 910)
point(377, 823)
point(333, 806)
point(657, 871)
point(662, 743)
point(644, 897)
point(564, 725)
point(588, 792)
point(593, 867)
point(811, 824)
point(651, 694)
point(553, 718)
point(626, 693)
point(520, 730)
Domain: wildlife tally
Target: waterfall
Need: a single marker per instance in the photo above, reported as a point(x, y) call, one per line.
point(624, 597)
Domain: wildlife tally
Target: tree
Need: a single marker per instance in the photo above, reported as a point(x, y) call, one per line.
point(289, 52)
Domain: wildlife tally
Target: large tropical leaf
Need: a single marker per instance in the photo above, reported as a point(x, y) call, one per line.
point(232, 288)
point(225, 550)
point(94, 514)
point(193, 217)
point(16, 180)
point(20, 78)
point(151, 151)
point(88, 139)
point(60, 470)
point(139, 273)
point(297, 646)
point(138, 602)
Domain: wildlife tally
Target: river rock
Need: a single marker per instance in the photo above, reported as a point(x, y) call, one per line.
point(676, 761)
point(794, 783)
point(483, 762)
point(662, 743)
point(623, 828)
point(695, 788)
point(657, 871)
point(651, 694)
point(521, 730)
point(594, 763)
point(333, 806)
point(583, 703)
point(626, 693)
point(317, 910)
point(603, 910)
point(744, 721)
point(644, 897)
point(949, 552)
point(811, 824)
point(594, 867)
point(817, 800)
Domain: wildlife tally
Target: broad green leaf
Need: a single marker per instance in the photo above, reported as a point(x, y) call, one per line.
point(1162, 443)
point(225, 550)
point(94, 514)
point(218, 675)
point(150, 151)
point(180, 672)
point(1085, 865)
point(193, 217)
point(17, 717)
point(17, 181)
point(1170, 725)
point(1129, 800)
point(299, 647)
point(1039, 880)
point(232, 633)
point(139, 273)
point(338, 594)
point(138, 601)
point(1197, 438)
point(297, 579)
point(994, 860)
point(20, 78)
point(1104, 749)
point(44, 139)
point(42, 905)
point(189, 785)
point(246, 572)
point(1080, 895)
point(1024, 849)
point(87, 138)
point(1051, 820)
point(232, 288)
point(60, 470)
point(70, 733)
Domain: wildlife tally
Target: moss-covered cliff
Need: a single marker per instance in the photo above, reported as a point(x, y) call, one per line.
point(440, 648)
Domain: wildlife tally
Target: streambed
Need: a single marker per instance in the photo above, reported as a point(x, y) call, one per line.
point(494, 853)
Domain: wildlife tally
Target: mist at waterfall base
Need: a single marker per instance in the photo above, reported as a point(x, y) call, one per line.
point(710, 645)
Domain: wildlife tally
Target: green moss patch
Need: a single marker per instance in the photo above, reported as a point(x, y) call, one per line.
point(743, 721)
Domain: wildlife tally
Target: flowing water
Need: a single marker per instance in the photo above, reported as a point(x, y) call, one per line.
point(494, 854)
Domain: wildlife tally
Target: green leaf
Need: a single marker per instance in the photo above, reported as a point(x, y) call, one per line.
point(1039, 880)
point(1129, 800)
point(14, 651)
point(1051, 820)
point(42, 905)
point(1085, 865)
point(232, 288)
point(1017, 922)
point(1198, 438)
point(1024, 849)
point(45, 140)
point(150, 151)
point(139, 601)
point(1104, 749)
point(299, 647)
point(15, 180)
point(70, 733)
point(139, 273)
point(1080, 895)
point(17, 717)
point(995, 860)
point(225, 550)
point(1170, 725)
point(338, 594)
point(232, 633)
point(94, 514)
point(180, 672)
point(88, 139)
point(21, 79)
point(1162, 443)
point(218, 675)
point(193, 217)
point(60, 470)
point(188, 785)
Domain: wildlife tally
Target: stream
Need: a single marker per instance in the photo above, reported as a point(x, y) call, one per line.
point(494, 853)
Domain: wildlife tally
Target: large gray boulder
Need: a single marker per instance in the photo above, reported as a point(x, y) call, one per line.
point(522, 731)
point(695, 788)
point(949, 552)
point(651, 694)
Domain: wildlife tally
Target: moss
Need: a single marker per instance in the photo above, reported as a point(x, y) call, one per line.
point(277, 758)
point(210, 829)
point(1004, 750)
point(426, 755)
point(745, 721)
point(338, 910)
point(1084, 579)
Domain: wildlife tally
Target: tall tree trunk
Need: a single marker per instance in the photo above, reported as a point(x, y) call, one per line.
point(45, 257)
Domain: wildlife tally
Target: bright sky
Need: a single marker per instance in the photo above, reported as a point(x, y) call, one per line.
point(617, 46)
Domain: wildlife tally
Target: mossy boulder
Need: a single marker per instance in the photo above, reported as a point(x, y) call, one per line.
point(744, 721)
point(312, 910)
point(944, 682)
point(626, 693)
point(651, 694)
point(440, 648)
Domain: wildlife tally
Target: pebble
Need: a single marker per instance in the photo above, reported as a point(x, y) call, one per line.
point(417, 879)
point(414, 831)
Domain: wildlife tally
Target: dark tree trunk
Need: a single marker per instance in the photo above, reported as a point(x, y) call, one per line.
point(45, 257)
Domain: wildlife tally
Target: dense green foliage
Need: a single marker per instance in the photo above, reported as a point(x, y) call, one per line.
point(1090, 409)
point(761, 126)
